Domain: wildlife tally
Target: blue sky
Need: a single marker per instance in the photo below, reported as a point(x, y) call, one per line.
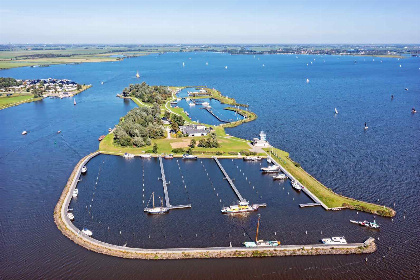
point(216, 21)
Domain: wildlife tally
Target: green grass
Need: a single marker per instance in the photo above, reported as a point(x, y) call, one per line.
point(16, 99)
point(326, 195)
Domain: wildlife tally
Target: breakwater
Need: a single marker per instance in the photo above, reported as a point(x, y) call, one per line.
point(73, 233)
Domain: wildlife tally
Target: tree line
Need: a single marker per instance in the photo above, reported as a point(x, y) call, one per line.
point(148, 94)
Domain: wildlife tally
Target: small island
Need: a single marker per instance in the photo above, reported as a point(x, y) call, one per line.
point(14, 92)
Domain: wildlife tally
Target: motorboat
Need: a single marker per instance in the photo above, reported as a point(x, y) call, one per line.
point(296, 185)
point(75, 192)
point(270, 169)
point(334, 240)
point(24, 132)
point(260, 243)
point(84, 169)
point(87, 232)
point(170, 156)
point(335, 110)
point(137, 75)
point(242, 207)
point(187, 156)
point(70, 216)
point(191, 104)
point(58, 132)
point(101, 137)
point(269, 160)
point(368, 224)
point(252, 158)
point(146, 156)
point(127, 155)
point(74, 101)
point(205, 104)
point(307, 81)
point(280, 176)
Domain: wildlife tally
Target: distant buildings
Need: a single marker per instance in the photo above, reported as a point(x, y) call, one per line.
point(194, 130)
point(262, 141)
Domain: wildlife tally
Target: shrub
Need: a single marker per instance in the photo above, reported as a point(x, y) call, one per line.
point(178, 151)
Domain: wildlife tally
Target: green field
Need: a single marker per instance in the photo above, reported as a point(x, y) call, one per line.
point(326, 195)
point(16, 99)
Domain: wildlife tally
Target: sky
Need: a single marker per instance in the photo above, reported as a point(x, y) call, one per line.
point(207, 22)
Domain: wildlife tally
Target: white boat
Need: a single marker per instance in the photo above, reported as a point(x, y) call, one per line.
point(366, 127)
point(58, 132)
point(336, 111)
point(225, 67)
point(191, 104)
point(74, 101)
point(261, 243)
point(70, 216)
point(252, 158)
point(24, 132)
point(270, 169)
point(242, 207)
point(280, 176)
point(170, 156)
point(137, 75)
point(334, 240)
point(146, 156)
point(269, 160)
point(187, 156)
point(307, 81)
point(205, 104)
point(102, 83)
point(127, 155)
point(187, 99)
point(183, 64)
point(156, 210)
point(87, 232)
point(296, 185)
point(84, 169)
point(75, 192)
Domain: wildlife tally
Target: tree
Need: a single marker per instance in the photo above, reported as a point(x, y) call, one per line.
point(79, 87)
point(155, 148)
point(167, 115)
point(192, 143)
point(178, 119)
point(175, 126)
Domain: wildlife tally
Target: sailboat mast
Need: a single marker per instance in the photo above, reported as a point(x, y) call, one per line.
point(153, 199)
point(258, 227)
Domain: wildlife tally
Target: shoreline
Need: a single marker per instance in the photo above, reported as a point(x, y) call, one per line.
point(70, 231)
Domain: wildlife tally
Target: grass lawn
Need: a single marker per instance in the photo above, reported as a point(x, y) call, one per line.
point(325, 194)
point(16, 99)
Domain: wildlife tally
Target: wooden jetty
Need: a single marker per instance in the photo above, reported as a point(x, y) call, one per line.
point(309, 205)
point(165, 189)
point(214, 115)
point(241, 199)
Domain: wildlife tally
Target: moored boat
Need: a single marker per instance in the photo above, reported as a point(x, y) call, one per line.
point(70, 216)
point(156, 210)
point(296, 185)
point(170, 156)
point(75, 192)
point(334, 240)
point(146, 156)
point(87, 232)
point(84, 169)
point(270, 169)
point(252, 158)
point(187, 156)
point(242, 207)
point(101, 137)
point(127, 155)
point(365, 223)
point(261, 243)
point(280, 176)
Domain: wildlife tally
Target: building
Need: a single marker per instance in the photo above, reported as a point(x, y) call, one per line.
point(194, 130)
point(262, 141)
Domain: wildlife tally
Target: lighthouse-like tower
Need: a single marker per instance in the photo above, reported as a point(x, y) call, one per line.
point(262, 142)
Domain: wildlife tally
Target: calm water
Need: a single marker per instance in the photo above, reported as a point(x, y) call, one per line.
point(382, 164)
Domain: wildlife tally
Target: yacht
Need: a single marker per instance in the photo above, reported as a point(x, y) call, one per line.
point(70, 216)
point(75, 192)
point(270, 169)
point(368, 224)
point(241, 208)
point(307, 81)
point(127, 155)
point(280, 176)
point(24, 132)
point(269, 160)
point(261, 243)
point(191, 104)
point(87, 232)
point(146, 156)
point(334, 240)
point(84, 169)
point(296, 185)
point(252, 158)
point(187, 156)
point(156, 210)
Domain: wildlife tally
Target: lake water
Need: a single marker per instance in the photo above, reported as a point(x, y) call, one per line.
point(378, 165)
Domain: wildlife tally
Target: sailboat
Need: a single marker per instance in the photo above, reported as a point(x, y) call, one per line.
point(137, 75)
point(261, 243)
point(183, 64)
point(74, 101)
point(307, 81)
point(336, 111)
point(156, 210)
point(225, 67)
point(366, 127)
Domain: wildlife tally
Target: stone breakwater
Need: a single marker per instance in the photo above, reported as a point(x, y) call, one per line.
point(73, 233)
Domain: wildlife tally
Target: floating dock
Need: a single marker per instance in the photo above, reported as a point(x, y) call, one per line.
point(214, 115)
point(241, 199)
point(309, 205)
point(165, 190)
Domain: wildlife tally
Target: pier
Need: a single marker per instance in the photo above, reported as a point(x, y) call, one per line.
point(214, 115)
point(305, 190)
point(309, 205)
point(165, 190)
point(241, 199)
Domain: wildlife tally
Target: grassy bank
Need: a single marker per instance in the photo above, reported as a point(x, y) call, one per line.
point(17, 99)
point(326, 195)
